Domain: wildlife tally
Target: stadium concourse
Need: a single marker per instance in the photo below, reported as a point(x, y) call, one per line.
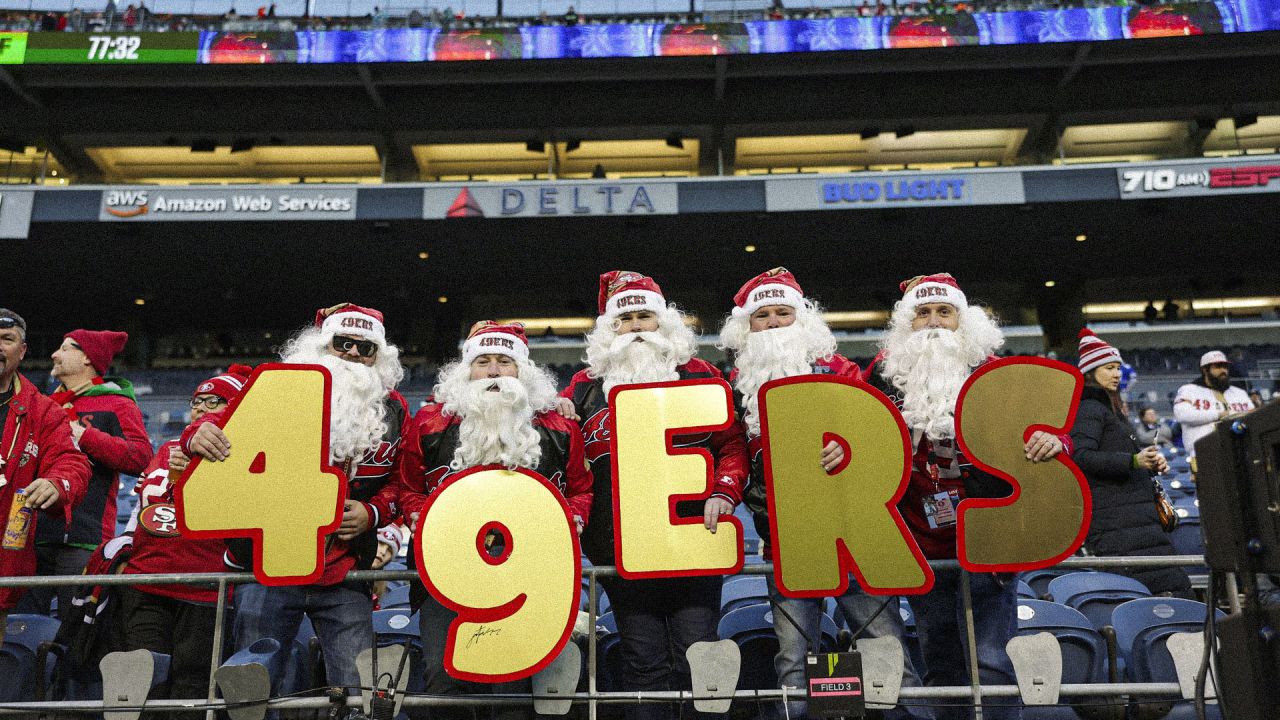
point(353, 185)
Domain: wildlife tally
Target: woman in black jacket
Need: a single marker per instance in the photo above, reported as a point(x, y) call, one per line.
point(1125, 521)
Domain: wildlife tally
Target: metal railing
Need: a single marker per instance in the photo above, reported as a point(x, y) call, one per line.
point(974, 693)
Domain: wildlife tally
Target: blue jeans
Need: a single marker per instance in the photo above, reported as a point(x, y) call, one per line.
point(657, 622)
point(793, 644)
point(342, 617)
point(943, 644)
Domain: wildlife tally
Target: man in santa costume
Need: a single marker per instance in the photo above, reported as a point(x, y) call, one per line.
point(107, 426)
point(491, 407)
point(639, 338)
point(366, 421)
point(935, 340)
point(776, 332)
point(37, 458)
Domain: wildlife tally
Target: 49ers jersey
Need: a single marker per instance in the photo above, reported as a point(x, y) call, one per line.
point(592, 403)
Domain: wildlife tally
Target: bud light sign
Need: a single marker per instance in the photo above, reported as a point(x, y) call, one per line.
point(893, 190)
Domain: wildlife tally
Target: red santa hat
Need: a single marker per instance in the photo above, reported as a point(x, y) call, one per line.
point(226, 385)
point(490, 338)
point(623, 291)
point(1095, 352)
point(937, 288)
point(772, 287)
point(351, 320)
point(100, 346)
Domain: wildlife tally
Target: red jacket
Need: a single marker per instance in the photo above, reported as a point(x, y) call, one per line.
point(36, 443)
point(727, 447)
point(157, 545)
point(115, 439)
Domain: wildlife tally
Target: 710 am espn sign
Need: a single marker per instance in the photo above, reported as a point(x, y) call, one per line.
point(1199, 179)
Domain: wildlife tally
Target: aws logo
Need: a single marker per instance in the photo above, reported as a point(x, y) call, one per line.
point(125, 203)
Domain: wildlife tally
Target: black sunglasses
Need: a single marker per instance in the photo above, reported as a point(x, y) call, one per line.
point(365, 348)
point(8, 322)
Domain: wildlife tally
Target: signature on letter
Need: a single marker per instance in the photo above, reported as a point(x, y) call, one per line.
point(480, 633)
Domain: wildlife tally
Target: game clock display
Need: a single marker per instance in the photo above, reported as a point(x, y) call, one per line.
point(112, 48)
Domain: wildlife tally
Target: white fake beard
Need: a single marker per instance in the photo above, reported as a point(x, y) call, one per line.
point(768, 355)
point(929, 366)
point(642, 357)
point(497, 426)
point(357, 413)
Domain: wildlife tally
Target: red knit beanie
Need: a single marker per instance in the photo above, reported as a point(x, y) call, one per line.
point(100, 346)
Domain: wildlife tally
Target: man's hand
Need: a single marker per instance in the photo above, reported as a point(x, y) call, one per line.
point(210, 443)
point(832, 456)
point(712, 509)
point(42, 494)
point(77, 431)
point(565, 407)
point(1042, 446)
point(355, 520)
point(178, 462)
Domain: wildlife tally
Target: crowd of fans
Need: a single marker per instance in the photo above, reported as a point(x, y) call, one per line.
point(139, 18)
point(493, 406)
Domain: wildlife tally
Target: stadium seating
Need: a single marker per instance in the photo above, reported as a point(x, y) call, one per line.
point(1143, 627)
point(1025, 591)
point(395, 598)
point(1084, 653)
point(1096, 594)
point(1186, 538)
point(1039, 579)
point(20, 675)
point(742, 591)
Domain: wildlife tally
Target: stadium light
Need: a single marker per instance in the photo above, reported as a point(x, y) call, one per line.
point(442, 299)
point(424, 255)
point(750, 248)
point(1049, 283)
point(675, 141)
point(1081, 237)
point(139, 301)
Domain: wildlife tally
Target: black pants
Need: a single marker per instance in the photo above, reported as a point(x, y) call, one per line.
point(433, 623)
point(658, 620)
point(53, 560)
point(183, 630)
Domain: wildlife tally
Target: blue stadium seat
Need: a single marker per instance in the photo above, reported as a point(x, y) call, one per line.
point(19, 674)
point(1143, 626)
point(1025, 591)
point(1096, 594)
point(1039, 579)
point(1084, 652)
point(266, 652)
point(1186, 538)
point(909, 634)
point(742, 591)
point(608, 653)
point(396, 626)
point(397, 597)
point(751, 628)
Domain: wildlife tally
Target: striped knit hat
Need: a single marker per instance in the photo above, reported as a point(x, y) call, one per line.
point(226, 385)
point(1095, 352)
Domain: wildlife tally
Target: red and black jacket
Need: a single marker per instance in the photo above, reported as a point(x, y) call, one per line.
point(727, 446)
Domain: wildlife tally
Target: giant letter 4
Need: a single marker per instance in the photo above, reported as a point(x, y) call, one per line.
point(825, 525)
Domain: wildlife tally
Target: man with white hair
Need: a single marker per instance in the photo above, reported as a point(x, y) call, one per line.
point(777, 332)
point(366, 422)
point(639, 338)
point(935, 340)
point(493, 407)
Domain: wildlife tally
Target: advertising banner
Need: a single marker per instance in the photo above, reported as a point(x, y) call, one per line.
point(262, 203)
point(902, 189)
point(1201, 178)
point(13, 48)
point(584, 199)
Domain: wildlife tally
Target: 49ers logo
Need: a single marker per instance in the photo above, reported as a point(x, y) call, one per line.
point(160, 519)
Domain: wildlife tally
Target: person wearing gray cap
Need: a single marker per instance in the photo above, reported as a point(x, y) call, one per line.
point(1208, 399)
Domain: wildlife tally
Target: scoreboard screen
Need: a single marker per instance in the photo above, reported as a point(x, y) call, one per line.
point(108, 48)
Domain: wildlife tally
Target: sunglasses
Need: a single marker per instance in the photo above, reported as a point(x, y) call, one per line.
point(8, 322)
point(212, 402)
point(365, 348)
